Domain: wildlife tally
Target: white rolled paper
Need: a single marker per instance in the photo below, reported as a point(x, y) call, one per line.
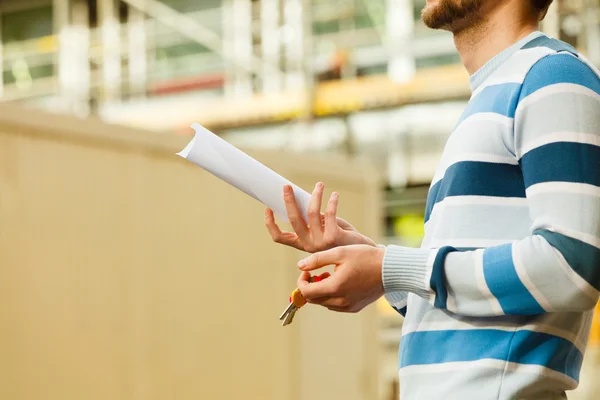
point(235, 167)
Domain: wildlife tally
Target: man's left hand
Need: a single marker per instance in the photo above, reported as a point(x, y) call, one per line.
point(356, 283)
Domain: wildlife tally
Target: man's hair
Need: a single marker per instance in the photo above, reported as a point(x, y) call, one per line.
point(541, 6)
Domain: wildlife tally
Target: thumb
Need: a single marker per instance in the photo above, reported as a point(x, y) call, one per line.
point(303, 280)
point(306, 279)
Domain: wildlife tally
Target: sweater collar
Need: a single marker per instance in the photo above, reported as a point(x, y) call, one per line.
point(484, 72)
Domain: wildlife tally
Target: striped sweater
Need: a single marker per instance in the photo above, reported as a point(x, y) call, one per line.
point(498, 300)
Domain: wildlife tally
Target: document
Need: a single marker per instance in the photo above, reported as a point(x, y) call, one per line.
point(235, 167)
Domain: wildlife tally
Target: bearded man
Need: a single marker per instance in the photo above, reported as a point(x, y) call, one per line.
point(498, 300)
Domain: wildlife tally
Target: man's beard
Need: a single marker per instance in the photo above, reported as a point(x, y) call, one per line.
point(446, 14)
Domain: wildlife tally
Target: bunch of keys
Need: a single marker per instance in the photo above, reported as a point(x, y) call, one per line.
point(296, 303)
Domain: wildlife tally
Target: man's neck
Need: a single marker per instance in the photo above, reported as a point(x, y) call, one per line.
point(479, 43)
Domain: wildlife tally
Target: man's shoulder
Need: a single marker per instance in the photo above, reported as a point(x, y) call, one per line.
point(561, 67)
point(544, 56)
point(531, 59)
point(550, 43)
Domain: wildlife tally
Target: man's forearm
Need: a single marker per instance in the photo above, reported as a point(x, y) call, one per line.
point(488, 282)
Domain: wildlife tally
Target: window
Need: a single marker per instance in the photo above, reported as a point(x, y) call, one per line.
point(26, 24)
point(325, 27)
point(22, 65)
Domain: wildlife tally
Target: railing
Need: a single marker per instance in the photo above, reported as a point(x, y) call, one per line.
point(31, 68)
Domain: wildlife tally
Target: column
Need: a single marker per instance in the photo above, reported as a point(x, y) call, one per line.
point(242, 47)
point(237, 46)
point(270, 44)
point(227, 47)
point(111, 50)
point(72, 58)
point(400, 29)
point(63, 57)
point(137, 50)
point(292, 35)
point(80, 44)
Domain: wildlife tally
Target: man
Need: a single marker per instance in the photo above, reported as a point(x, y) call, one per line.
point(499, 299)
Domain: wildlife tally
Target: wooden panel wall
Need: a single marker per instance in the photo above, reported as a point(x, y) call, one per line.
point(127, 273)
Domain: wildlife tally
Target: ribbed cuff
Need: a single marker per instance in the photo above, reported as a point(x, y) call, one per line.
point(405, 269)
point(396, 299)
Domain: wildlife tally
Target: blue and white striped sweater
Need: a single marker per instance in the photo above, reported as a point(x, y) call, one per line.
point(499, 299)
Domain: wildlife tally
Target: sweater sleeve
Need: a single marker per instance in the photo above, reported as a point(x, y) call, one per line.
point(557, 267)
point(398, 300)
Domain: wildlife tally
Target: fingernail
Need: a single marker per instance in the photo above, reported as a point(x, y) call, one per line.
point(287, 189)
point(319, 185)
point(302, 264)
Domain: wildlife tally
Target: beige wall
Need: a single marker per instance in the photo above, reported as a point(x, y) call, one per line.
point(129, 273)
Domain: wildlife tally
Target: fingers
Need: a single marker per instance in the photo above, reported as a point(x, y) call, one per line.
point(338, 303)
point(315, 290)
point(342, 223)
point(321, 259)
point(323, 295)
point(294, 214)
point(271, 225)
point(314, 212)
point(286, 238)
point(304, 280)
point(331, 223)
point(332, 303)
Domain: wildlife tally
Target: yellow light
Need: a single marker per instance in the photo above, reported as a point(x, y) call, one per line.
point(595, 334)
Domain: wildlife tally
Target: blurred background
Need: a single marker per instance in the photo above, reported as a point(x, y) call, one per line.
point(363, 81)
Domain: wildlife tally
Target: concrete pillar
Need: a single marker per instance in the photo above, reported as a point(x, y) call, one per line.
point(111, 49)
point(242, 46)
point(227, 47)
point(271, 81)
point(293, 37)
point(71, 28)
point(237, 46)
point(137, 52)
point(61, 26)
point(81, 57)
point(399, 32)
point(398, 163)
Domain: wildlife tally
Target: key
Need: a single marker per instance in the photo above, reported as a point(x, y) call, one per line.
point(290, 316)
point(296, 303)
point(296, 300)
point(287, 310)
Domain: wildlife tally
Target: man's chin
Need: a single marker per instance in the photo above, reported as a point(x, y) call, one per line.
point(450, 15)
point(431, 18)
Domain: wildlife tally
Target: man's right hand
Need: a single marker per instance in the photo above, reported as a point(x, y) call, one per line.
point(323, 232)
